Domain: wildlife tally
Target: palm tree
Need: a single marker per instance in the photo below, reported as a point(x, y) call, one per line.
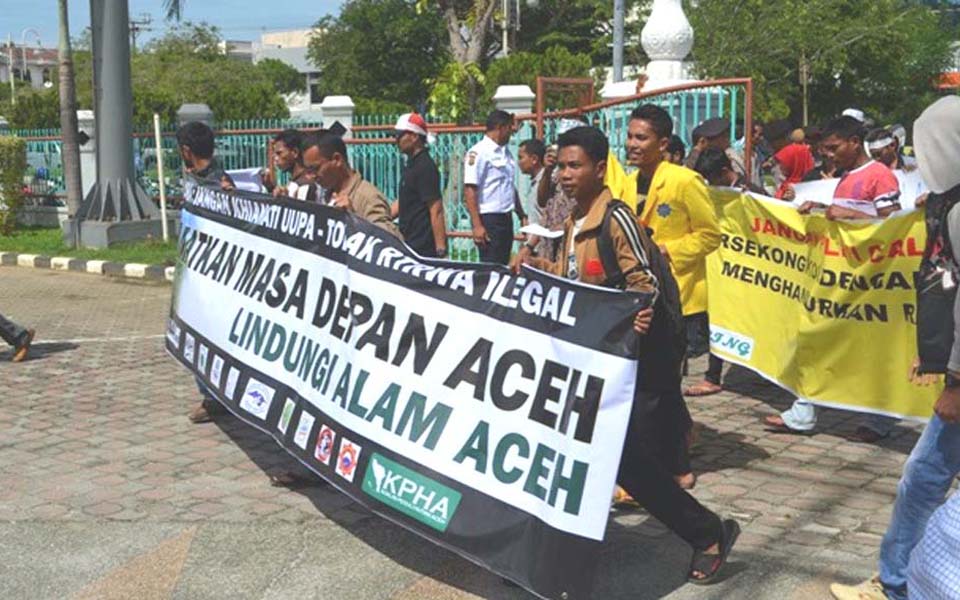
point(68, 117)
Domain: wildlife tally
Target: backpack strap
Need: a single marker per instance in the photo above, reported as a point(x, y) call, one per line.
point(616, 278)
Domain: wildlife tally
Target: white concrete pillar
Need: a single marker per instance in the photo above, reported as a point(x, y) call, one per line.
point(515, 99)
point(338, 108)
point(86, 124)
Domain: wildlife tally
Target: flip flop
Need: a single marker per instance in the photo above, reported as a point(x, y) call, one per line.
point(709, 565)
point(775, 424)
point(704, 388)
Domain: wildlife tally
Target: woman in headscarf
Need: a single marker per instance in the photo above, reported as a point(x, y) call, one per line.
point(794, 160)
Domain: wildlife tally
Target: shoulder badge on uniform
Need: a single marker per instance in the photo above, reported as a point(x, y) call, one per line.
point(471, 158)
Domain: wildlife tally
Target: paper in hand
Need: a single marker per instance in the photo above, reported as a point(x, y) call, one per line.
point(541, 231)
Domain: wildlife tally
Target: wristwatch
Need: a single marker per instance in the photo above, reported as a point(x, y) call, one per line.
point(531, 247)
point(441, 252)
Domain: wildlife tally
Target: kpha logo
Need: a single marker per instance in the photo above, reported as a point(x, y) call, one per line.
point(409, 492)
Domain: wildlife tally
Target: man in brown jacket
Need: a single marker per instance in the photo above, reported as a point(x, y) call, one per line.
point(582, 164)
point(325, 155)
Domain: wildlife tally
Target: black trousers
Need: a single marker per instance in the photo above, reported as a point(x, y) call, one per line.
point(644, 473)
point(11, 333)
point(499, 228)
point(698, 342)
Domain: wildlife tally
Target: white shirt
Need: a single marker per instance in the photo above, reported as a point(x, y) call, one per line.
point(572, 272)
point(493, 170)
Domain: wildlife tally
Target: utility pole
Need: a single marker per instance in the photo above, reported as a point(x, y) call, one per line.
point(804, 82)
point(136, 26)
point(13, 86)
point(618, 19)
point(506, 27)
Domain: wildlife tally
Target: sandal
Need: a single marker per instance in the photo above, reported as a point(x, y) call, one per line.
point(708, 565)
point(776, 424)
point(704, 388)
point(686, 481)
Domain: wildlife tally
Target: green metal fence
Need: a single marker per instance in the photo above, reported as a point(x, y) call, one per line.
point(373, 152)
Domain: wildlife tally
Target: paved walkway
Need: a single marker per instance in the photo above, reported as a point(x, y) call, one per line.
point(107, 491)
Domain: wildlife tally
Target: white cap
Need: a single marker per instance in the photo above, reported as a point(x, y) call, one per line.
point(856, 113)
point(412, 122)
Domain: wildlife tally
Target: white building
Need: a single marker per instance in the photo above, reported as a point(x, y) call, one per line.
point(35, 65)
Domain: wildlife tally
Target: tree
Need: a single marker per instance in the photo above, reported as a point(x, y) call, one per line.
point(68, 116)
point(523, 68)
point(379, 49)
point(879, 55)
point(285, 78)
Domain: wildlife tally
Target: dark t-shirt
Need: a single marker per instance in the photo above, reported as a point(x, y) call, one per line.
point(419, 186)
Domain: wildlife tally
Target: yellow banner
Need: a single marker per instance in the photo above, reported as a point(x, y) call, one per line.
point(825, 309)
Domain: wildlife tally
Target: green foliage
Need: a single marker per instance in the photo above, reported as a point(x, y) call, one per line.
point(522, 68)
point(879, 55)
point(376, 106)
point(580, 26)
point(35, 109)
point(47, 241)
point(450, 98)
point(13, 164)
point(380, 49)
point(285, 78)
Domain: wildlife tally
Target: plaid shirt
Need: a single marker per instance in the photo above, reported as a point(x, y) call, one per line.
point(934, 571)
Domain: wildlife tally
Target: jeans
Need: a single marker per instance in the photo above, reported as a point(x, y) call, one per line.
point(499, 228)
point(11, 333)
point(927, 475)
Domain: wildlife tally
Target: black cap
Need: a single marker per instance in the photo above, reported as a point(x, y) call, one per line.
point(712, 128)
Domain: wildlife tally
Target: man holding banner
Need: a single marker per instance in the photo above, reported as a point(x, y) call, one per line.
point(581, 164)
point(868, 189)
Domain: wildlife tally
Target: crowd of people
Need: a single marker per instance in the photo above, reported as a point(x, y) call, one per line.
point(650, 231)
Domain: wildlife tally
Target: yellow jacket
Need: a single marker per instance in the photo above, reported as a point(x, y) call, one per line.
point(623, 187)
point(680, 213)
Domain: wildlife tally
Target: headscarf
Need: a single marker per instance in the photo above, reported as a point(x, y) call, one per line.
point(795, 161)
point(936, 141)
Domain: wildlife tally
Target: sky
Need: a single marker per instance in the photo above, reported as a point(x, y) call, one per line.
point(237, 19)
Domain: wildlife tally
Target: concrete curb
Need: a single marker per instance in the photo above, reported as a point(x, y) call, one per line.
point(97, 267)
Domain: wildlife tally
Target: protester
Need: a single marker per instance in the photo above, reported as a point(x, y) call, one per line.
point(553, 205)
point(698, 144)
point(676, 205)
point(884, 147)
point(195, 142)
point(419, 204)
point(715, 166)
point(325, 156)
point(716, 131)
point(794, 160)
point(874, 191)
point(16, 336)
point(488, 190)
point(288, 158)
point(827, 169)
point(530, 157)
point(676, 151)
point(934, 462)
point(582, 165)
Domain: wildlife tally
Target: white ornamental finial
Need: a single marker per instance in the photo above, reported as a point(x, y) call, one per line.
point(667, 36)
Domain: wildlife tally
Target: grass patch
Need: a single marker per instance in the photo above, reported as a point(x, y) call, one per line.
point(49, 242)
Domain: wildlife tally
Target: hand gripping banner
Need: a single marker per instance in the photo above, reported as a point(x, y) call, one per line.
point(482, 410)
point(826, 309)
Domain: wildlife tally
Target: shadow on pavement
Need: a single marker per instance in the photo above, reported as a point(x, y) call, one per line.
point(843, 423)
point(41, 350)
point(639, 561)
point(716, 451)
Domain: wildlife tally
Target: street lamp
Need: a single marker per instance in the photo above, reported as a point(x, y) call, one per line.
point(23, 49)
